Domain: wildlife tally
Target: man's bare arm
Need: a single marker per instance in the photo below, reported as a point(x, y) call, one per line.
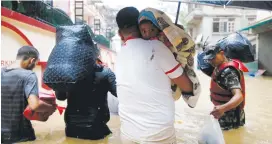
point(184, 83)
point(172, 68)
point(37, 105)
point(32, 92)
point(230, 79)
point(235, 101)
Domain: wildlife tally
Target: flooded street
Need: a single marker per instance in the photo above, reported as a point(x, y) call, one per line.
point(92, 27)
point(258, 128)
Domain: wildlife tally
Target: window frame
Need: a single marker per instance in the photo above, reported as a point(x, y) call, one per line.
point(225, 25)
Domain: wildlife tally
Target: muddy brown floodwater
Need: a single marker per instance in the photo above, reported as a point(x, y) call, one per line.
point(258, 128)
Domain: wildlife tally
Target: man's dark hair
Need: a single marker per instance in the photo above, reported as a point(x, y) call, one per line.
point(27, 52)
point(127, 17)
point(127, 20)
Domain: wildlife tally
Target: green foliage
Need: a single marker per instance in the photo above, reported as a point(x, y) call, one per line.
point(40, 11)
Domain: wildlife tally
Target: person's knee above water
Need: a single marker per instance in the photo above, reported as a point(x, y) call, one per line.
point(144, 70)
point(19, 89)
point(87, 111)
point(227, 88)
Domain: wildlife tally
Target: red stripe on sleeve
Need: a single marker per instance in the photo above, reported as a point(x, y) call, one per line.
point(172, 70)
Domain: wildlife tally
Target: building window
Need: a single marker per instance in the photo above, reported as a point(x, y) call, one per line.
point(223, 25)
point(231, 22)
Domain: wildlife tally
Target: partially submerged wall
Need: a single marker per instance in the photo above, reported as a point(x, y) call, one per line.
point(265, 52)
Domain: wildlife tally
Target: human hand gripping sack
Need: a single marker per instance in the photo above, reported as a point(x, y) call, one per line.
point(218, 111)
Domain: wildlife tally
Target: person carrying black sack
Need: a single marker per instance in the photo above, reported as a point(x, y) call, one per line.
point(87, 110)
point(227, 90)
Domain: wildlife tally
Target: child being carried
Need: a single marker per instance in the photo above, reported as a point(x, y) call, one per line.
point(154, 24)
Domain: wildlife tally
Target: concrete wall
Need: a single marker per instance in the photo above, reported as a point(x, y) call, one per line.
point(24, 32)
point(263, 14)
point(265, 52)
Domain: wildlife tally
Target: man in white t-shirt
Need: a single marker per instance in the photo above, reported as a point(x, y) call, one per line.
point(144, 70)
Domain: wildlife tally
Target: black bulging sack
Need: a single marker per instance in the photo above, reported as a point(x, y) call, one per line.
point(72, 59)
point(203, 65)
point(237, 46)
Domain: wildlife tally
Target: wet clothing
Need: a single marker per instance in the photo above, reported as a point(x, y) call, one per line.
point(87, 111)
point(224, 79)
point(16, 86)
point(232, 119)
point(144, 70)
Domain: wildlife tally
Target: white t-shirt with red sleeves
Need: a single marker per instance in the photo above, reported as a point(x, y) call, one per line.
point(146, 106)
